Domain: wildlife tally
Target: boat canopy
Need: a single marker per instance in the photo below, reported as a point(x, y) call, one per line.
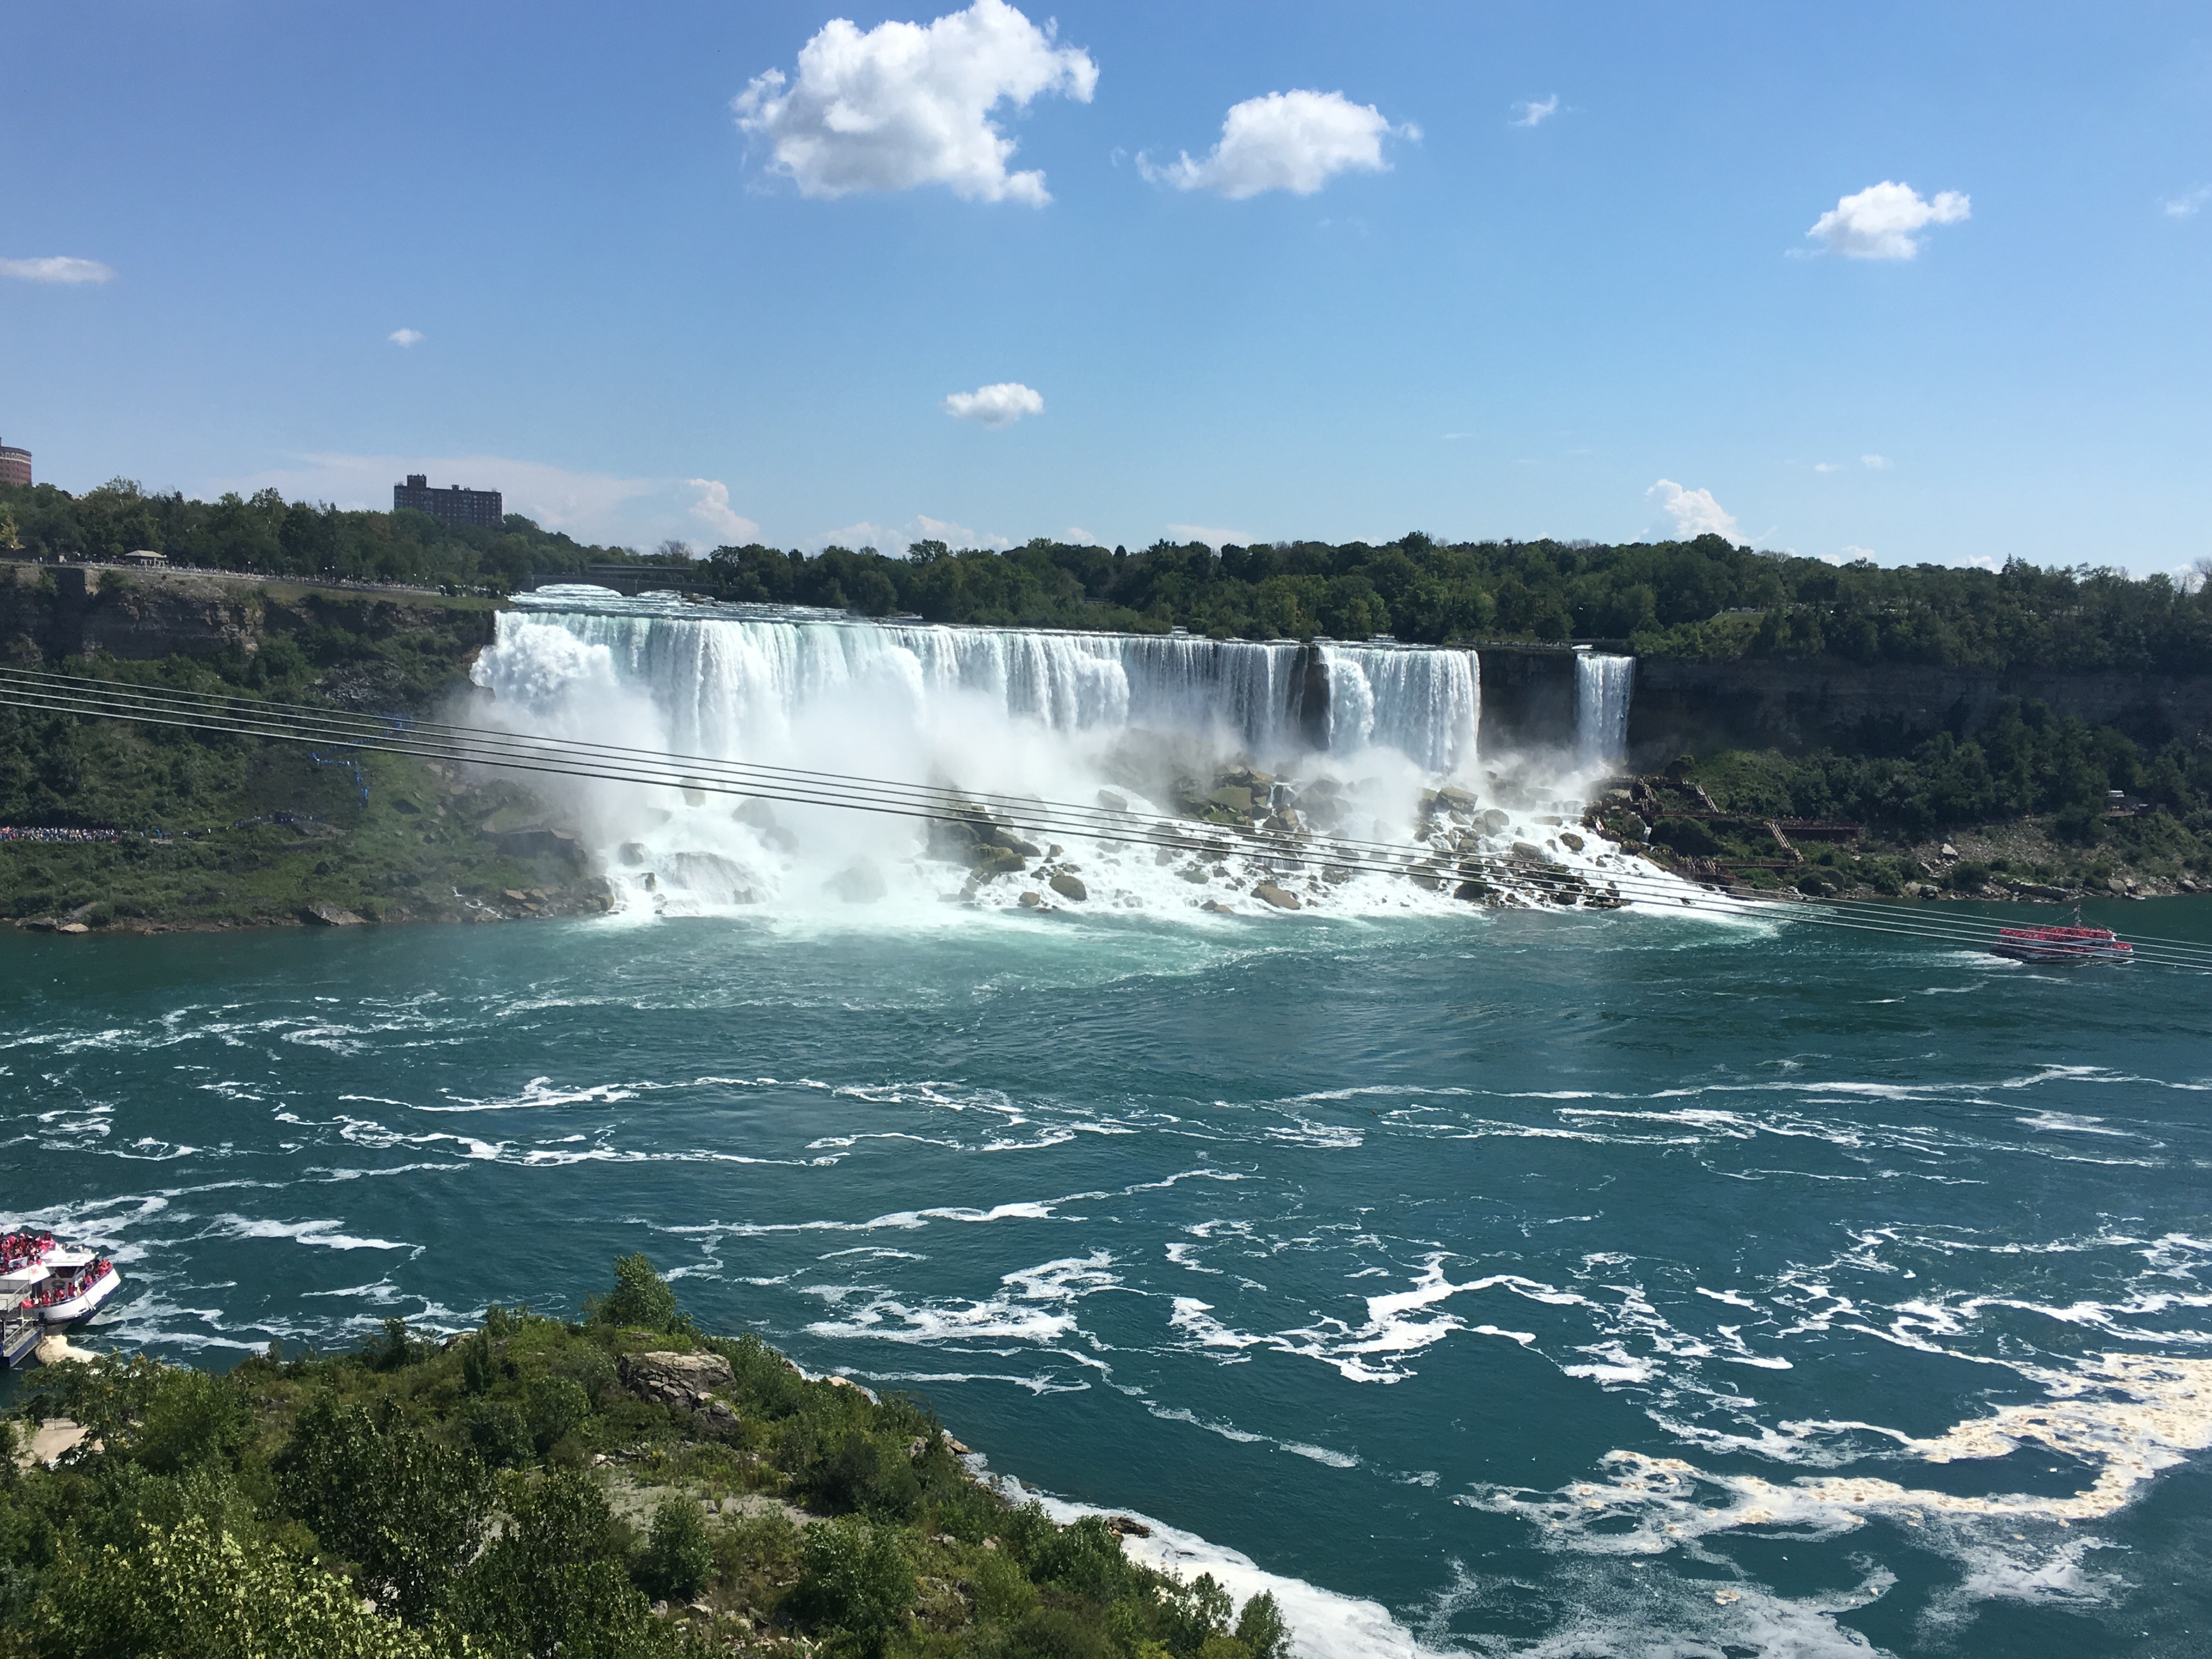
point(65, 1260)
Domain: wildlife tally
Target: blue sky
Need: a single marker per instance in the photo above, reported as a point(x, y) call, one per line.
point(1397, 302)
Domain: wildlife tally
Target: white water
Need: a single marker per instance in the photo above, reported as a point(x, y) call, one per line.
point(1604, 685)
point(1052, 717)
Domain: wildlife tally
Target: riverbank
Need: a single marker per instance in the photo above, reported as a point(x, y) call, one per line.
point(621, 1484)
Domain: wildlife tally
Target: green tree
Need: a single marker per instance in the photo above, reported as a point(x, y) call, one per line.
point(857, 1580)
point(552, 1583)
point(194, 1592)
point(408, 1511)
point(640, 1297)
point(677, 1554)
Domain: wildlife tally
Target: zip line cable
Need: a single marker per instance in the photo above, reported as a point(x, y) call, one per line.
point(1173, 834)
point(341, 726)
point(243, 716)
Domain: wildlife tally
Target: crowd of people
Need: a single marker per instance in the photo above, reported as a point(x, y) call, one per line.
point(46, 832)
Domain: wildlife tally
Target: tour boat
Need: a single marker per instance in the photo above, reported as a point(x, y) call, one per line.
point(22, 1250)
point(79, 1282)
point(2076, 944)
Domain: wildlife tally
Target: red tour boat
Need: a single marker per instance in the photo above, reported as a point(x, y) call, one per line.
point(2075, 943)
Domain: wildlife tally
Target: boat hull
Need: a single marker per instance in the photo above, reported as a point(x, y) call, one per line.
point(74, 1307)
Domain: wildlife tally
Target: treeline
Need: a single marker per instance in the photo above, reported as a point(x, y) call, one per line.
point(614, 1488)
point(1705, 598)
point(267, 535)
point(2026, 762)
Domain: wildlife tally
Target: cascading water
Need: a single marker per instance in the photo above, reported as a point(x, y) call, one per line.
point(1603, 684)
point(1168, 725)
point(1426, 704)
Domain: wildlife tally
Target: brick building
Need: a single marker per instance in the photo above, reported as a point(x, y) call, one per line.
point(480, 507)
point(15, 465)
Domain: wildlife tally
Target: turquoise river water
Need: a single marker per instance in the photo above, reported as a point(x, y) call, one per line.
point(1593, 1284)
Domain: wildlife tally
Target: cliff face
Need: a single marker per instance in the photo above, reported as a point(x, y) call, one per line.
point(1790, 704)
point(53, 611)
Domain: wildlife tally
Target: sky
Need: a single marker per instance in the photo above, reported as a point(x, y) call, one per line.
point(1922, 284)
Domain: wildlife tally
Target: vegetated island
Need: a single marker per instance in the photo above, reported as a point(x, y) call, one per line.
point(622, 1487)
point(1849, 730)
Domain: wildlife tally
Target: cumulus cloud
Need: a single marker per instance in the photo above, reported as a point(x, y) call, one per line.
point(405, 337)
point(995, 406)
point(904, 104)
point(1825, 467)
point(1880, 221)
point(1695, 512)
point(1876, 463)
point(2188, 204)
point(1213, 534)
point(712, 509)
point(1293, 141)
point(1532, 114)
point(57, 268)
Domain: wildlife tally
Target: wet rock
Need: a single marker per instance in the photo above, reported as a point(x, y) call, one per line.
point(1456, 801)
point(1570, 840)
point(1235, 797)
point(1069, 887)
point(71, 928)
point(1494, 822)
point(1112, 802)
point(1030, 901)
point(859, 882)
point(1275, 896)
point(326, 914)
point(1128, 1526)
point(1474, 890)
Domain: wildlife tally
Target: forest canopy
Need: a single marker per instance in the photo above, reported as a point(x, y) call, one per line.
point(1706, 598)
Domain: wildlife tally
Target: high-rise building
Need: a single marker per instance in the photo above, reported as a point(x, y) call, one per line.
point(453, 504)
point(15, 465)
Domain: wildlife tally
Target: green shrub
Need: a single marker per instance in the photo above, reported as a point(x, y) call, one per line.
point(497, 1432)
point(857, 1580)
point(640, 1297)
point(678, 1556)
point(556, 1408)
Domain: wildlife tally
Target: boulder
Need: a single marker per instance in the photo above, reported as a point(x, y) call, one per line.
point(1112, 802)
point(1068, 887)
point(72, 927)
point(1570, 841)
point(326, 914)
point(683, 1380)
point(1235, 797)
point(1030, 901)
point(1276, 896)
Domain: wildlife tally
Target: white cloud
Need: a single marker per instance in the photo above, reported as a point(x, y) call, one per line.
point(1293, 141)
point(57, 268)
point(904, 104)
point(1213, 534)
point(712, 509)
point(405, 337)
point(1532, 114)
point(1878, 222)
point(1850, 552)
point(1825, 467)
point(2188, 204)
point(1876, 463)
point(995, 406)
point(1695, 512)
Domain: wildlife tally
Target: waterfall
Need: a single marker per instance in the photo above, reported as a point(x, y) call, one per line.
point(1603, 687)
point(1426, 704)
point(731, 679)
point(1359, 738)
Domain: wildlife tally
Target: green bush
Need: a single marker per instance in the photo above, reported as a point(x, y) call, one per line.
point(497, 1432)
point(858, 1581)
point(557, 1408)
point(640, 1297)
point(678, 1556)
